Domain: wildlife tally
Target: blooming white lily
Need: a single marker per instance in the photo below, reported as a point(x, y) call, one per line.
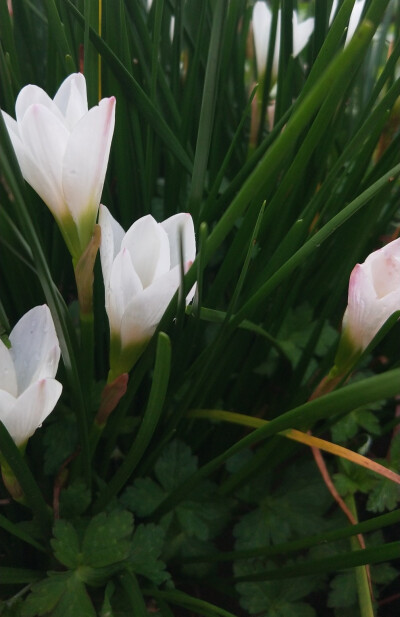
point(28, 390)
point(374, 295)
point(63, 149)
point(141, 270)
point(262, 21)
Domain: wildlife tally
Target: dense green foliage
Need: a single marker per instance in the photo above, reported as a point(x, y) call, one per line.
point(166, 512)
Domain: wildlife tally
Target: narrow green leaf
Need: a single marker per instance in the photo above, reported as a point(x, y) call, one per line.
point(91, 58)
point(378, 554)
point(21, 471)
point(134, 594)
point(136, 94)
point(148, 425)
point(57, 33)
point(189, 602)
point(344, 400)
point(372, 524)
point(207, 111)
point(19, 533)
point(313, 243)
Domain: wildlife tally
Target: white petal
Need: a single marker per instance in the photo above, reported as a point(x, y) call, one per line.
point(31, 409)
point(85, 163)
point(384, 265)
point(33, 174)
point(21, 153)
point(148, 245)
point(354, 19)
point(71, 99)
point(145, 311)
point(34, 347)
point(32, 95)
point(45, 139)
point(11, 125)
point(7, 402)
point(333, 11)
point(111, 238)
point(124, 285)
point(262, 18)
point(301, 34)
point(8, 378)
point(174, 226)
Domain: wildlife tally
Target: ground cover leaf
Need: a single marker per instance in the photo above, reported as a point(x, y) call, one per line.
point(349, 426)
point(146, 548)
point(61, 595)
point(106, 540)
point(201, 516)
point(74, 499)
point(194, 521)
point(265, 524)
point(274, 598)
point(343, 592)
point(66, 544)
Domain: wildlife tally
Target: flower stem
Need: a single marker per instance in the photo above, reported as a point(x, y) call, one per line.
point(87, 349)
point(363, 580)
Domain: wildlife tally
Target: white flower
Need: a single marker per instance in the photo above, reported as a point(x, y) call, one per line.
point(262, 21)
point(28, 390)
point(63, 149)
point(374, 295)
point(141, 270)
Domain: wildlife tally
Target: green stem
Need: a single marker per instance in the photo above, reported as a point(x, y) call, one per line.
point(87, 348)
point(135, 598)
point(363, 589)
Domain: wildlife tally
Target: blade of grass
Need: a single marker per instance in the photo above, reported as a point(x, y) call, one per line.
point(313, 243)
point(57, 33)
point(300, 437)
point(189, 602)
point(344, 561)
point(373, 524)
point(19, 533)
point(133, 90)
point(22, 473)
point(344, 400)
point(207, 111)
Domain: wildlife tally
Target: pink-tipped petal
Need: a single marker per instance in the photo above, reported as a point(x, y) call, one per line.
point(174, 226)
point(33, 95)
point(148, 245)
point(374, 294)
